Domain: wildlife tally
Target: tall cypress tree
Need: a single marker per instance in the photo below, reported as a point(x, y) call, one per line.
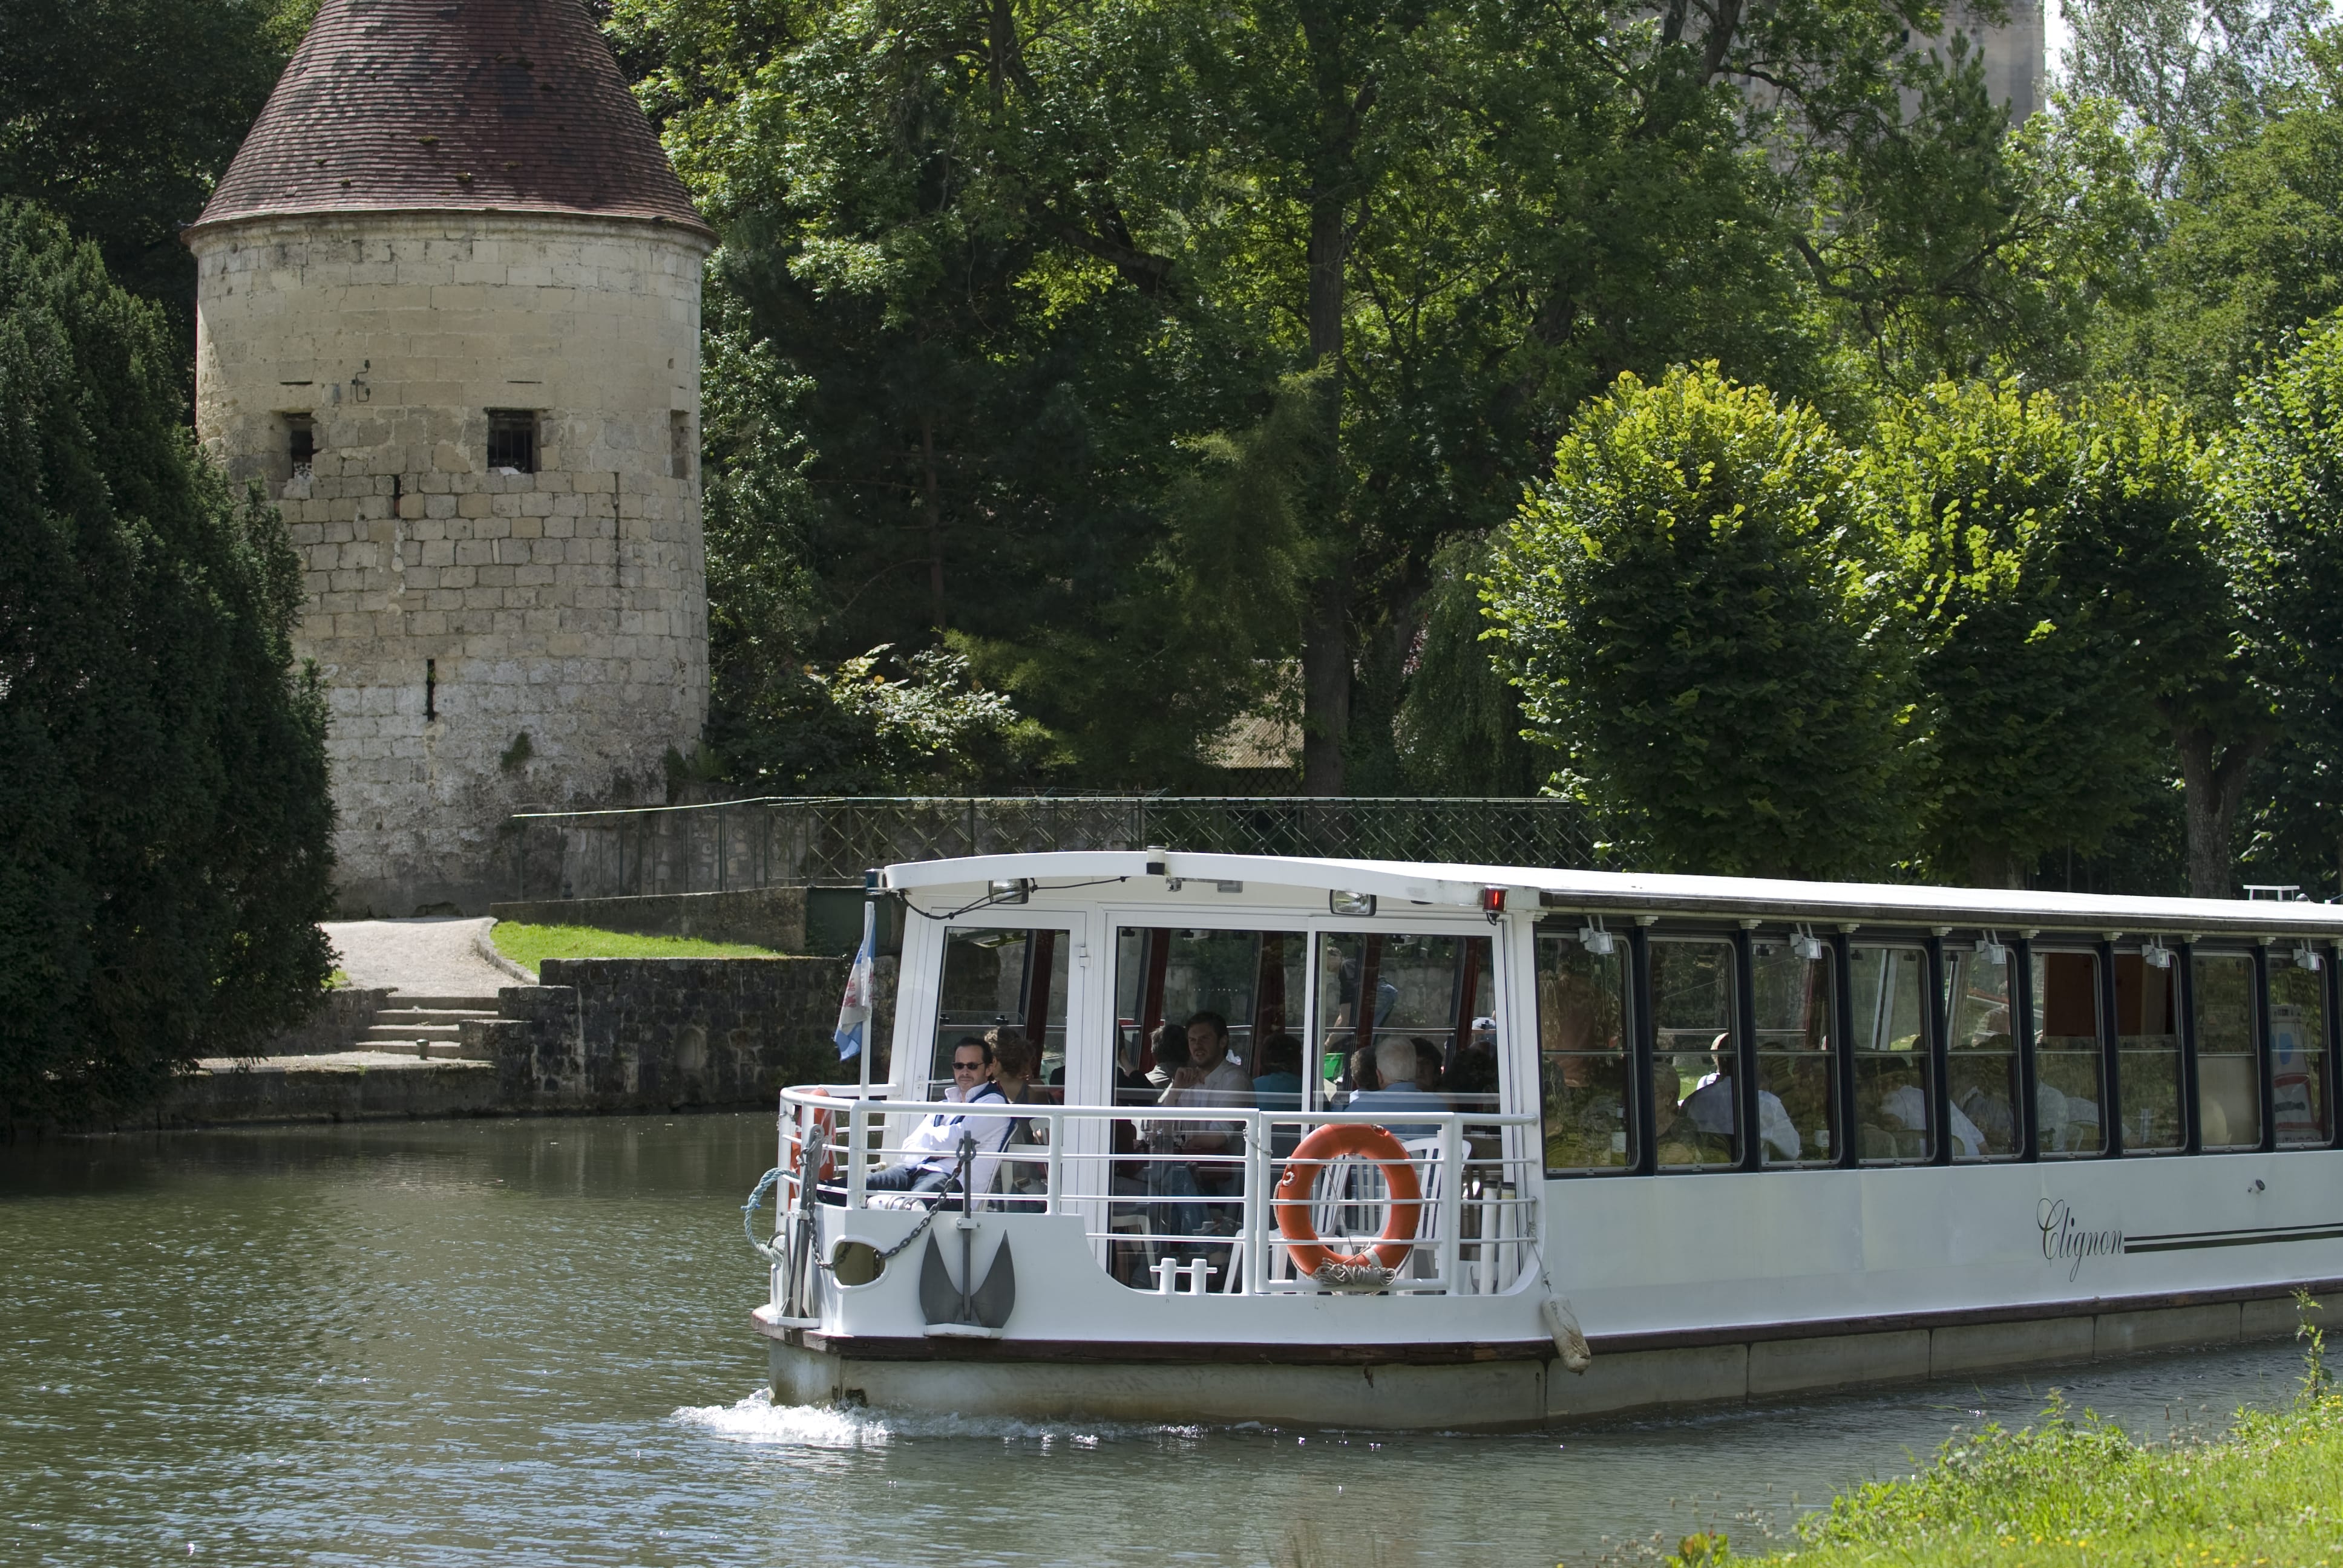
point(162, 762)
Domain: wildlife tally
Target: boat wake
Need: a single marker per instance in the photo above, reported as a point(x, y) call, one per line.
point(757, 1419)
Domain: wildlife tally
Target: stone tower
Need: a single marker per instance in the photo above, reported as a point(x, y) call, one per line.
point(448, 312)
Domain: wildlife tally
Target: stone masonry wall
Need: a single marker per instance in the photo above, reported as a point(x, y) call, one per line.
point(627, 1034)
point(490, 639)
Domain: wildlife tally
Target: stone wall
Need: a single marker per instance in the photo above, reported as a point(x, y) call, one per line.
point(490, 639)
point(637, 1034)
point(772, 918)
point(340, 1022)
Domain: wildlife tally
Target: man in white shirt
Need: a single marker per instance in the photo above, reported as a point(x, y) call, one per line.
point(1211, 1078)
point(1712, 1107)
point(931, 1150)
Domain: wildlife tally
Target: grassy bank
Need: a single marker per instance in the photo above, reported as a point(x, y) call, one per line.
point(2075, 1489)
point(529, 946)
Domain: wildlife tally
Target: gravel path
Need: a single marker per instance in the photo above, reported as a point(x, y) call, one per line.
point(421, 957)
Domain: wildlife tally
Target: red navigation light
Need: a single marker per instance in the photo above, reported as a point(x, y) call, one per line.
point(1492, 902)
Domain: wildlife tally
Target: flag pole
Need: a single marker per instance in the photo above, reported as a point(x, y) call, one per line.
point(867, 954)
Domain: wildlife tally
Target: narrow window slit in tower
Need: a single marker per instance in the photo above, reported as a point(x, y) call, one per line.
point(679, 442)
point(300, 443)
point(512, 440)
point(430, 690)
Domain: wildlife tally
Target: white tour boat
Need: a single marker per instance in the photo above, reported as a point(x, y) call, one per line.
point(1659, 1139)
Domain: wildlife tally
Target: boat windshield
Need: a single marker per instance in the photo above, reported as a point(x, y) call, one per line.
point(1000, 979)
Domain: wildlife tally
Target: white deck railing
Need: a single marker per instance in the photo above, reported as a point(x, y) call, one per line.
point(1162, 1217)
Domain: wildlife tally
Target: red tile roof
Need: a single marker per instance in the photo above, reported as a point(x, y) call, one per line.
point(512, 105)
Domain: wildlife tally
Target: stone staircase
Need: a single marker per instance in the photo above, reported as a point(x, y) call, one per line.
point(429, 1026)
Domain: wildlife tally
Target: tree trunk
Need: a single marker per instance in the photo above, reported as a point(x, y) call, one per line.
point(1326, 631)
point(2213, 779)
point(1993, 865)
point(934, 507)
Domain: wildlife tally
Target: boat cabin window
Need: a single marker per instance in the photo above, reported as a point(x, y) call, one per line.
point(2298, 1012)
point(2068, 1083)
point(2147, 1055)
point(1002, 979)
point(1583, 1058)
point(1983, 1068)
point(1894, 1072)
point(1254, 981)
point(1694, 1108)
point(2228, 1095)
point(1797, 1088)
point(1430, 990)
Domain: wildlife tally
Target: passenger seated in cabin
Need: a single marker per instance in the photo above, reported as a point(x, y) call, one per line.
point(1472, 1085)
point(1902, 1108)
point(1679, 1141)
point(1279, 1087)
point(1362, 1069)
point(930, 1155)
point(1712, 1107)
point(1979, 1088)
point(1431, 1077)
point(1395, 1066)
point(1172, 1058)
point(1013, 1070)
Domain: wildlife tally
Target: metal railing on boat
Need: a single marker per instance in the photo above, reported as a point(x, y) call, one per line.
point(1170, 1220)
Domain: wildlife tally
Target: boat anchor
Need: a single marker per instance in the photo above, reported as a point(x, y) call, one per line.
point(967, 1309)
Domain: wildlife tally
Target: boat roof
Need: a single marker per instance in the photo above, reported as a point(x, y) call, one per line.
point(2006, 910)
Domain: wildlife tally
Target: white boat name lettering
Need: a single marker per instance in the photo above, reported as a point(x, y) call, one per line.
point(2064, 1240)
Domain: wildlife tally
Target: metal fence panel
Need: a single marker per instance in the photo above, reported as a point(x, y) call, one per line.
point(829, 840)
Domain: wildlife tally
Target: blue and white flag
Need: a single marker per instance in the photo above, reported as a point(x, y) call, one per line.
point(854, 1009)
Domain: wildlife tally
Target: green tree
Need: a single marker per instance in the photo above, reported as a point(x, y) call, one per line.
point(2284, 486)
point(120, 114)
point(162, 764)
point(2249, 251)
point(1698, 637)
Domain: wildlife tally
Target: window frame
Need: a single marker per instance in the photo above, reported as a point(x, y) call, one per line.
point(504, 422)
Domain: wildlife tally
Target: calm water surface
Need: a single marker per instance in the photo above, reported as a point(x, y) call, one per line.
point(504, 1341)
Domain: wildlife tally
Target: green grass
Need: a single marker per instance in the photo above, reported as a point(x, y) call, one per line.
point(529, 946)
point(2078, 1490)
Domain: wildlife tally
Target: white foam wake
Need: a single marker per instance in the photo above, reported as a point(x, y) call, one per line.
point(757, 1419)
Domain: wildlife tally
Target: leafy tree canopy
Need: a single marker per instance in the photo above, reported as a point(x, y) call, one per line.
point(162, 765)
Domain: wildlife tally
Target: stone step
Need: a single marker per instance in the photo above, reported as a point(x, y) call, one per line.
point(431, 1014)
point(398, 1032)
point(484, 1005)
point(426, 1049)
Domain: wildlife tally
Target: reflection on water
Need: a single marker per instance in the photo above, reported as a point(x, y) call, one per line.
point(484, 1342)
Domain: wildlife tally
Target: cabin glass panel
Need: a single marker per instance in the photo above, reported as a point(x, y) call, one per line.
point(2229, 1096)
point(1694, 1104)
point(1983, 1068)
point(1797, 1089)
point(1894, 1074)
point(1583, 1053)
point(1254, 981)
point(1002, 979)
point(2298, 1050)
point(2147, 1047)
point(1427, 991)
point(2068, 1068)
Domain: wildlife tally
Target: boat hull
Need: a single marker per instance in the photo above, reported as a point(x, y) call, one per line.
point(1485, 1388)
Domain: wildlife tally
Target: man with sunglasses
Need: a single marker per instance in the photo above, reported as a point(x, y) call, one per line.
point(931, 1150)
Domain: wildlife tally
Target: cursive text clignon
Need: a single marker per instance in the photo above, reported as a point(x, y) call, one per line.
point(2065, 1242)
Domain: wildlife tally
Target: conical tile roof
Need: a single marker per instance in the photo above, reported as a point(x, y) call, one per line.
point(477, 106)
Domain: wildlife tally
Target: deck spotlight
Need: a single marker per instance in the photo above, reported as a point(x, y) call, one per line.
point(1990, 950)
point(2307, 958)
point(1806, 945)
point(1353, 904)
point(2156, 955)
point(1597, 940)
point(1009, 891)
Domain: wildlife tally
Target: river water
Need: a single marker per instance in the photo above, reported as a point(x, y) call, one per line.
point(526, 1340)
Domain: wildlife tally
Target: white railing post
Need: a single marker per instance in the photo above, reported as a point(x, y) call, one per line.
point(1256, 1188)
point(1057, 1126)
point(1451, 1201)
point(856, 1135)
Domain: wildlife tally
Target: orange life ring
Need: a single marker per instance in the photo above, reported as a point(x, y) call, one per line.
point(1295, 1193)
point(825, 1128)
